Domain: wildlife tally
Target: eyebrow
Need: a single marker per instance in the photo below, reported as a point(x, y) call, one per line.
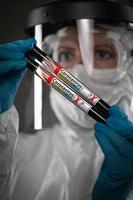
point(70, 45)
point(104, 45)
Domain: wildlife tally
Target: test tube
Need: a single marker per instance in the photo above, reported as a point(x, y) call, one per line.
point(63, 89)
point(82, 90)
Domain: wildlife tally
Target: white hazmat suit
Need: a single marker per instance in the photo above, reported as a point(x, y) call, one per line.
point(63, 162)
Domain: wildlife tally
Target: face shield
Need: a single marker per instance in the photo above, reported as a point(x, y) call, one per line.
point(85, 36)
point(104, 50)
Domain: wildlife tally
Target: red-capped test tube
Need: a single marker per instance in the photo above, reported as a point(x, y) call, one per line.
point(97, 103)
point(63, 89)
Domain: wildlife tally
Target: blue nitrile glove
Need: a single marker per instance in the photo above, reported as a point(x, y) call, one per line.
point(116, 141)
point(12, 68)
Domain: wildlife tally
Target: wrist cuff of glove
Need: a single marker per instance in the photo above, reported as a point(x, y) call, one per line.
point(112, 191)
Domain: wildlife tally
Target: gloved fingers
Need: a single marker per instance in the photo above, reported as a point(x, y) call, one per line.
point(8, 88)
point(16, 49)
point(113, 137)
point(10, 54)
point(116, 111)
point(123, 126)
point(6, 66)
point(121, 144)
point(25, 45)
point(105, 144)
point(13, 78)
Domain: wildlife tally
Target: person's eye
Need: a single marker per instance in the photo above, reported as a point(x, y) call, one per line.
point(65, 56)
point(103, 55)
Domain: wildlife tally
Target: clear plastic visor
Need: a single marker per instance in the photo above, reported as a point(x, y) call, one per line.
point(98, 50)
point(85, 43)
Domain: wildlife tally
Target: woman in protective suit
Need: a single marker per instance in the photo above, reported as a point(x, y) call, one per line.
point(77, 158)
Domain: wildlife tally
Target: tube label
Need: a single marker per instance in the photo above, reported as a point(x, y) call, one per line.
point(68, 93)
point(76, 85)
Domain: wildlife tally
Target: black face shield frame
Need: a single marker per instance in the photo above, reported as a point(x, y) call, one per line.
point(56, 15)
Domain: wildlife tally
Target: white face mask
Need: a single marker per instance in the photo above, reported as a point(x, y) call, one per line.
point(118, 93)
point(65, 111)
point(106, 75)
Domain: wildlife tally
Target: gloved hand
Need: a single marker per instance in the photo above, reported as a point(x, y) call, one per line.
point(116, 141)
point(12, 68)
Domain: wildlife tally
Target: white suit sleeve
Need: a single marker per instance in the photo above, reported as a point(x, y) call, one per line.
point(8, 140)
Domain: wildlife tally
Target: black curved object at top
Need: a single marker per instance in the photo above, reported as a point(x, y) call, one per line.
point(61, 11)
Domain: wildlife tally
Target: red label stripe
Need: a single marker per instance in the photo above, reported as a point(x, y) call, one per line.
point(50, 78)
point(58, 68)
